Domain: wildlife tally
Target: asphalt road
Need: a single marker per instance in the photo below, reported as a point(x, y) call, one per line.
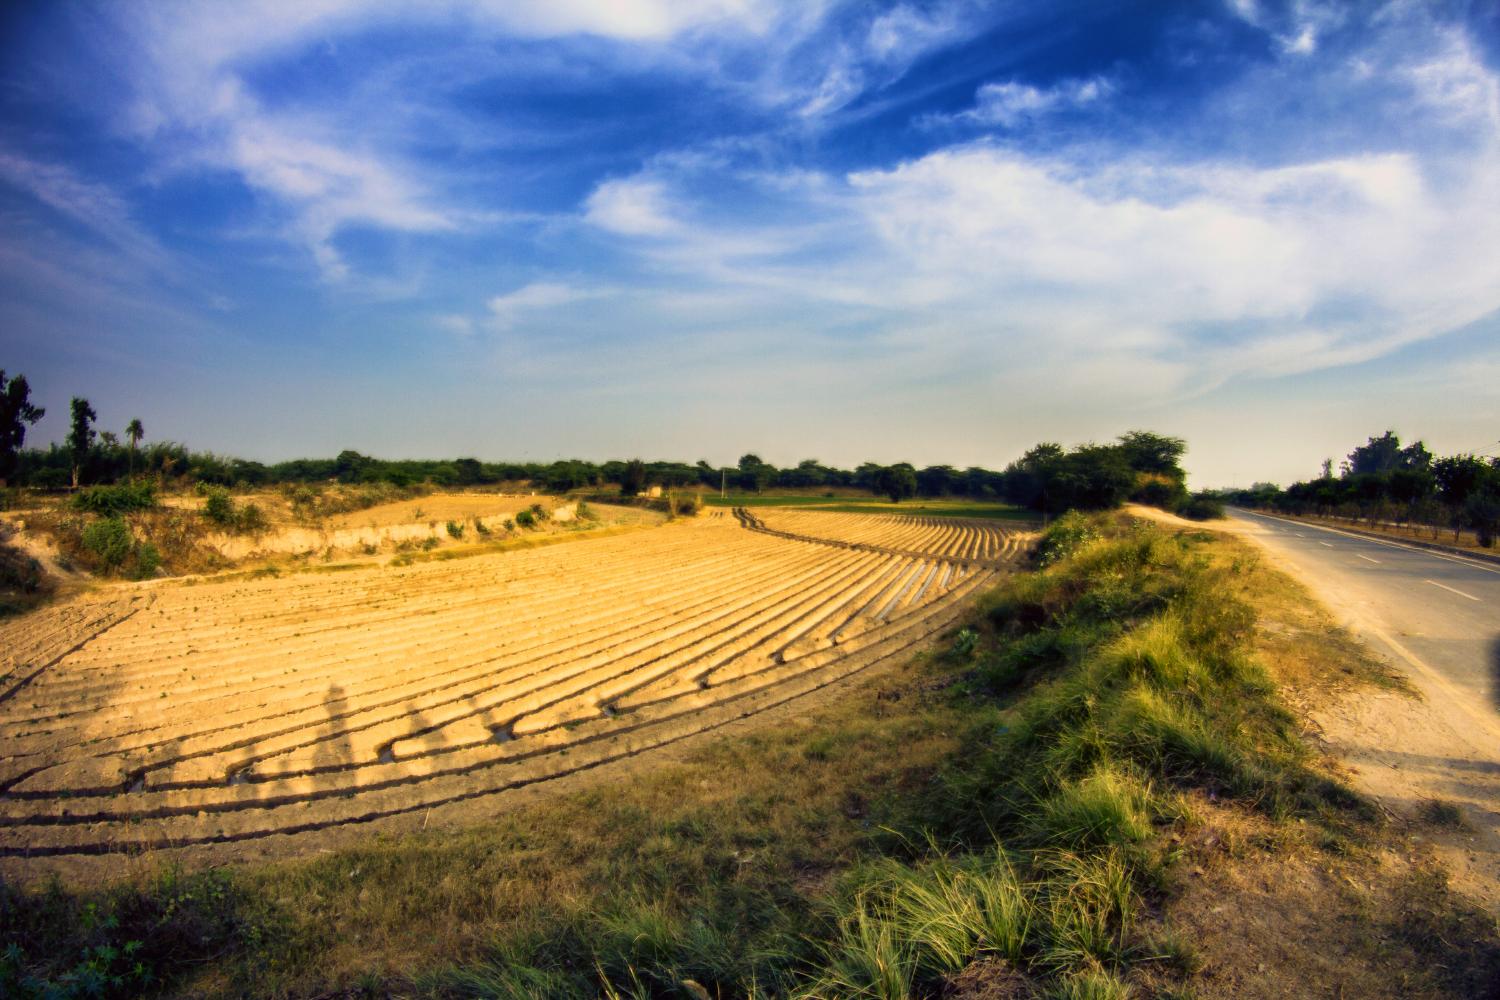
point(1443, 611)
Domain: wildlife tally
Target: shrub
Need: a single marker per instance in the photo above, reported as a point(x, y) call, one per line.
point(218, 506)
point(1159, 491)
point(480, 528)
point(455, 530)
point(251, 519)
point(110, 542)
point(20, 574)
point(1202, 507)
point(525, 519)
point(147, 561)
point(1066, 536)
point(112, 501)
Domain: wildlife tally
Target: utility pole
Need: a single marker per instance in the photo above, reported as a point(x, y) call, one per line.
point(723, 475)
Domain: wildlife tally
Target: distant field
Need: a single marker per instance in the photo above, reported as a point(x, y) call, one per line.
point(876, 505)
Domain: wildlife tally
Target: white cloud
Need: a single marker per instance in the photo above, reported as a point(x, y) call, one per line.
point(189, 64)
point(1184, 274)
point(1456, 83)
point(94, 206)
point(634, 206)
point(1304, 43)
point(1009, 103)
point(538, 296)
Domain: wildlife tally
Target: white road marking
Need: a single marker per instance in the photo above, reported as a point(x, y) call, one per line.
point(1297, 534)
point(1368, 559)
point(1450, 590)
point(1325, 545)
point(1471, 563)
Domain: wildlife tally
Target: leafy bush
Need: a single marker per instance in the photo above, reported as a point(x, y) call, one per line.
point(116, 550)
point(147, 561)
point(218, 506)
point(110, 542)
point(22, 578)
point(480, 528)
point(455, 530)
point(112, 501)
point(1066, 536)
point(1202, 507)
point(129, 941)
point(532, 516)
point(251, 519)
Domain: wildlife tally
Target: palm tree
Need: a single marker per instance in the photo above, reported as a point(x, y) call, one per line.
point(135, 431)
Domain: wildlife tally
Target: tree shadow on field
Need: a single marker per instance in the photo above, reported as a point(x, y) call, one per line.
point(334, 748)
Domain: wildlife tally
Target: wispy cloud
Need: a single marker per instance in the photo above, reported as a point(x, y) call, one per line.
point(89, 204)
point(505, 310)
point(634, 206)
point(1011, 103)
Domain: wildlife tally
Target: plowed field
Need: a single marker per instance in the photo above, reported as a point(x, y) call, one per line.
point(241, 710)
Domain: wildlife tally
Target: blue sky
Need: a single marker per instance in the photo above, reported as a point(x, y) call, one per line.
point(936, 232)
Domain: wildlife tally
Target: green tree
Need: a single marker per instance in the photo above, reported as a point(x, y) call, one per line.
point(1385, 454)
point(755, 475)
point(938, 481)
point(16, 412)
point(1153, 453)
point(632, 477)
point(81, 436)
point(470, 472)
point(134, 430)
point(898, 481)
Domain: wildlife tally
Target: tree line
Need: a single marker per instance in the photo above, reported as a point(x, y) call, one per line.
point(1384, 481)
point(1049, 478)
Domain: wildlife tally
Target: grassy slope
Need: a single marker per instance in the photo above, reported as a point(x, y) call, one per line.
point(1058, 806)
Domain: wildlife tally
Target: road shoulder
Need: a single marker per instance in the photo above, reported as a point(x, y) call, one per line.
point(1431, 761)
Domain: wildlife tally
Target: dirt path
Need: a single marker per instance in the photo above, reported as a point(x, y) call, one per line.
point(1407, 752)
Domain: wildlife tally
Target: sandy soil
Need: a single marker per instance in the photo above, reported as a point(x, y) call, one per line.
point(422, 521)
point(1406, 751)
